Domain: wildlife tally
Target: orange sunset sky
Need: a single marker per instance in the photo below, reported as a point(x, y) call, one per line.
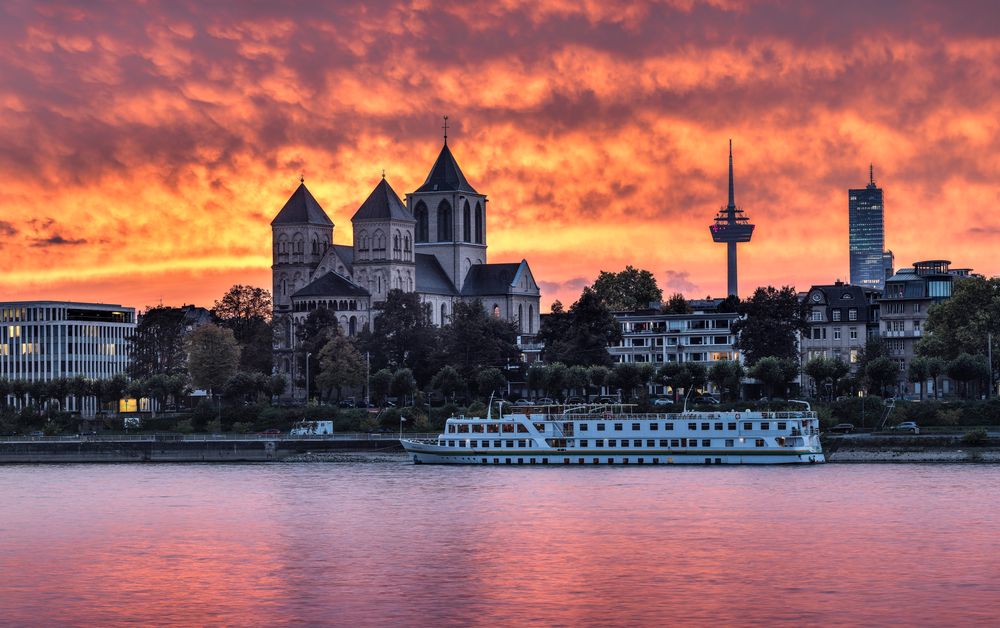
point(145, 146)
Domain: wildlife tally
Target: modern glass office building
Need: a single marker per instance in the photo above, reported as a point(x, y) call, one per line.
point(867, 236)
point(46, 340)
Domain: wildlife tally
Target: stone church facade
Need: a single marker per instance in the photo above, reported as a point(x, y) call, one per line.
point(433, 244)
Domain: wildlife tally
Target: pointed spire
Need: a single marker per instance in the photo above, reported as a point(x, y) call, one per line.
point(732, 195)
point(445, 127)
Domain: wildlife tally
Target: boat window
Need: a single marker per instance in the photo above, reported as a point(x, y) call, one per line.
point(718, 426)
point(782, 426)
point(600, 427)
point(730, 442)
point(532, 461)
point(510, 443)
point(668, 427)
point(692, 426)
point(545, 460)
point(478, 429)
point(731, 426)
point(618, 427)
point(656, 461)
point(653, 427)
point(599, 442)
point(540, 427)
point(583, 443)
point(637, 443)
point(474, 443)
point(636, 427)
point(748, 426)
point(706, 426)
point(584, 427)
point(760, 442)
point(674, 442)
point(664, 442)
point(706, 443)
point(565, 460)
point(492, 428)
point(451, 428)
point(640, 460)
point(522, 429)
point(508, 460)
point(650, 443)
point(691, 442)
point(597, 461)
point(463, 429)
point(612, 442)
point(508, 427)
point(765, 426)
point(496, 461)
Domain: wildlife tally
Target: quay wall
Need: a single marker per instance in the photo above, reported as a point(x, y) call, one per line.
point(258, 450)
point(849, 449)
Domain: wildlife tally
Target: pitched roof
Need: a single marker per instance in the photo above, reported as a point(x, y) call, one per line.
point(331, 285)
point(430, 277)
point(382, 204)
point(490, 279)
point(446, 176)
point(302, 208)
point(345, 253)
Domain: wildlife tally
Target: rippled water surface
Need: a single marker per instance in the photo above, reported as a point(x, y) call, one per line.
point(380, 542)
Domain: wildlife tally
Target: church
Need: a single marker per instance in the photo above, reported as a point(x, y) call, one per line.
point(433, 244)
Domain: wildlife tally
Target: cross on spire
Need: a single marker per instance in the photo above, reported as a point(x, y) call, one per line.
point(383, 173)
point(302, 177)
point(445, 127)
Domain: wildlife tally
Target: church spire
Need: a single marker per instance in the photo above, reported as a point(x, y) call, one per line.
point(445, 127)
point(732, 195)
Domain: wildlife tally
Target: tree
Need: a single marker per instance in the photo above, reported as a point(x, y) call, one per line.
point(826, 371)
point(599, 376)
point(882, 374)
point(962, 323)
point(403, 336)
point(675, 376)
point(555, 379)
point(157, 344)
point(318, 328)
point(403, 384)
point(918, 372)
point(490, 380)
point(727, 375)
point(676, 304)
point(577, 379)
point(340, 365)
point(966, 368)
point(627, 291)
point(536, 378)
point(247, 311)
point(213, 357)
point(448, 382)
point(582, 335)
point(380, 383)
point(626, 377)
point(775, 374)
point(241, 386)
point(473, 339)
point(769, 325)
point(935, 369)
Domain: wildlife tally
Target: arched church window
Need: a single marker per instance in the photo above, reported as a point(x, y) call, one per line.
point(352, 326)
point(531, 319)
point(520, 317)
point(479, 223)
point(444, 221)
point(496, 311)
point(396, 246)
point(406, 243)
point(420, 213)
point(467, 223)
point(444, 313)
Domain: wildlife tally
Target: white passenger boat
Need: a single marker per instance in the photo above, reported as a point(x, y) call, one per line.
point(614, 434)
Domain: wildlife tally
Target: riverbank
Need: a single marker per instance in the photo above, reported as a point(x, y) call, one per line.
point(908, 449)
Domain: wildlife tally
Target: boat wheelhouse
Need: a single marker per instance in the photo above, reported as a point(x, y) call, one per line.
point(614, 434)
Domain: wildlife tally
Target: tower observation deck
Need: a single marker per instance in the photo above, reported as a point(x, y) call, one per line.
point(731, 226)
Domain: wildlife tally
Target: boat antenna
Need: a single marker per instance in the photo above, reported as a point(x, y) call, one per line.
point(686, 399)
point(808, 407)
point(489, 408)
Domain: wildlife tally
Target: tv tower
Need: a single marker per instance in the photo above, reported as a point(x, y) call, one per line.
point(731, 226)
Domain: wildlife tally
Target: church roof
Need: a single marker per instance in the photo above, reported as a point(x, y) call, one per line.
point(382, 204)
point(430, 277)
point(331, 285)
point(446, 176)
point(345, 252)
point(490, 279)
point(302, 208)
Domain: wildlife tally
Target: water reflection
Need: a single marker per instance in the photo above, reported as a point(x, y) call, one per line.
point(385, 543)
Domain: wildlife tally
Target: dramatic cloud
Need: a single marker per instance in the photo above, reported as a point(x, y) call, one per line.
point(159, 138)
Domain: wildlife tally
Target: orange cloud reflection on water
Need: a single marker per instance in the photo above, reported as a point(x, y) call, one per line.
point(146, 149)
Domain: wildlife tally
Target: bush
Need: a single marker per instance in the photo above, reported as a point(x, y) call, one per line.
point(476, 408)
point(243, 427)
point(976, 438)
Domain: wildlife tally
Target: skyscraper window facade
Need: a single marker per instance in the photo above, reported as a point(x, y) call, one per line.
point(867, 236)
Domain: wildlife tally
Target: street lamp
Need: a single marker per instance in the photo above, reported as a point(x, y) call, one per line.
point(402, 419)
point(308, 355)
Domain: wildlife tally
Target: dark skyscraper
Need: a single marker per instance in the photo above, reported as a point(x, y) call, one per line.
point(731, 226)
point(867, 235)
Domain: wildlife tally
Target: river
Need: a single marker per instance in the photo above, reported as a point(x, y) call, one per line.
point(379, 541)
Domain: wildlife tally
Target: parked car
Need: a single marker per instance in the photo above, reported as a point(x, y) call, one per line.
point(545, 401)
point(570, 400)
point(346, 403)
point(663, 401)
point(608, 400)
point(842, 428)
point(271, 432)
point(706, 399)
point(524, 402)
point(907, 426)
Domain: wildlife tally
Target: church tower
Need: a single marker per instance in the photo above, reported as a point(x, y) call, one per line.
point(383, 243)
point(300, 235)
point(450, 217)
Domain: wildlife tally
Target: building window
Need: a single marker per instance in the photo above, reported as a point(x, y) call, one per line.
point(423, 231)
point(444, 222)
point(836, 315)
point(836, 333)
point(479, 224)
point(816, 316)
point(854, 333)
point(852, 314)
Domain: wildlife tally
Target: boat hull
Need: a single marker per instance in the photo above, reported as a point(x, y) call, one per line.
point(422, 453)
